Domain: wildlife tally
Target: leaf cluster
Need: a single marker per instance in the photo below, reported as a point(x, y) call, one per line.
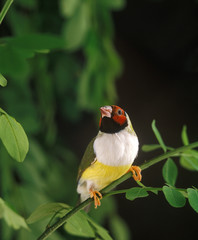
point(79, 224)
point(188, 159)
point(176, 197)
point(89, 26)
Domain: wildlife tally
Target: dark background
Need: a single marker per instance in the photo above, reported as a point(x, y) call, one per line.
point(158, 43)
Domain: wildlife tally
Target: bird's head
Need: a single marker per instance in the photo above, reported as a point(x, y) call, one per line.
point(113, 119)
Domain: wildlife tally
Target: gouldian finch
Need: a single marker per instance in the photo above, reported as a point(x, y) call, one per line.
point(109, 155)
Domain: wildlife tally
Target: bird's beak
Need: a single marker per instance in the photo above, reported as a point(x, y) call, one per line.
point(106, 111)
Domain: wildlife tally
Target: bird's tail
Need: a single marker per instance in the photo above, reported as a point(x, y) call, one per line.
point(82, 198)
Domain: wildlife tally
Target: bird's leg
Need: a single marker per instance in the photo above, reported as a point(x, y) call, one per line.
point(96, 195)
point(136, 171)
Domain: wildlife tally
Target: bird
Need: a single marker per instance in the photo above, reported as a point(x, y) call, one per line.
point(109, 155)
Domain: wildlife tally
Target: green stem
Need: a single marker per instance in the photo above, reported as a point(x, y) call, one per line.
point(106, 191)
point(168, 154)
point(53, 217)
point(149, 189)
point(62, 220)
point(5, 9)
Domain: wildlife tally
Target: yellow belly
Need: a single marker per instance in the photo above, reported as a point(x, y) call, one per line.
point(102, 175)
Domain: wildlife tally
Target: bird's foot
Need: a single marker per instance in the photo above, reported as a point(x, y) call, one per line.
point(96, 195)
point(136, 171)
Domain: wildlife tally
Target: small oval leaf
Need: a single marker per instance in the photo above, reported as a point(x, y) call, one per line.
point(184, 135)
point(158, 136)
point(190, 163)
point(170, 172)
point(174, 197)
point(3, 81)
point(151, 147)
point(136, 192)
point(13, 137)
point(193, 198)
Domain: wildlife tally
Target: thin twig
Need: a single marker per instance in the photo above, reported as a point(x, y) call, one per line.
point(106, 190)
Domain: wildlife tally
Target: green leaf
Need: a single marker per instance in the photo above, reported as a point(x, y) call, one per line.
point(21, 23)
point(3, 81)
point(13, 137)
point(193, 153)
point(114, 4)
point(37, 42)
point(119, 228)
point(193, 198)
point(102, 232)
point(170, 172)
point(184, 135)
point(78, 225)
point(158, 136)
point(76, 27)
point(136, 192)
point(2, 111)
point(174, 197)
point(46, 210)
point(30, 4)
point(68, 7)
point(151, 147)
point(190, 163)
point(10, 54)
point(12, 219)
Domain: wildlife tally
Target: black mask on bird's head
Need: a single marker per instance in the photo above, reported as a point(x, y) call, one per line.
point(113, 119)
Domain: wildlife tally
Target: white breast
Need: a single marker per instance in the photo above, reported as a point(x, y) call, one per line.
point(116, 149)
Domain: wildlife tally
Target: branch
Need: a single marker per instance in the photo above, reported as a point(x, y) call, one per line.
point(111, 186)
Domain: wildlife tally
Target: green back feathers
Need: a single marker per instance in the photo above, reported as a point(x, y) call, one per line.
point(87, 159)
point(130, 127)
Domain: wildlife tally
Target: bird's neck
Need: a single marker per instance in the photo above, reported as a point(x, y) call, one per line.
point(108, 125)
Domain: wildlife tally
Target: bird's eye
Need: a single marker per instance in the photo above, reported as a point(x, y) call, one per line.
point(119, 112)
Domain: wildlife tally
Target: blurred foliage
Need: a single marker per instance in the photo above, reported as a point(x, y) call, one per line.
point(59, 60)
point(176, 197)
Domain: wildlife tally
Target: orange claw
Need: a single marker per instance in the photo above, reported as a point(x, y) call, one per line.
point(97, 196)
point(136, 171)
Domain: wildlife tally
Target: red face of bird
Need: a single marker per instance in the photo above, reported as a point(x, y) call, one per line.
point(113, 119)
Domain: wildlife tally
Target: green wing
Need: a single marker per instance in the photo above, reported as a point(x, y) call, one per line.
point(130, 127)
point(87, 159)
